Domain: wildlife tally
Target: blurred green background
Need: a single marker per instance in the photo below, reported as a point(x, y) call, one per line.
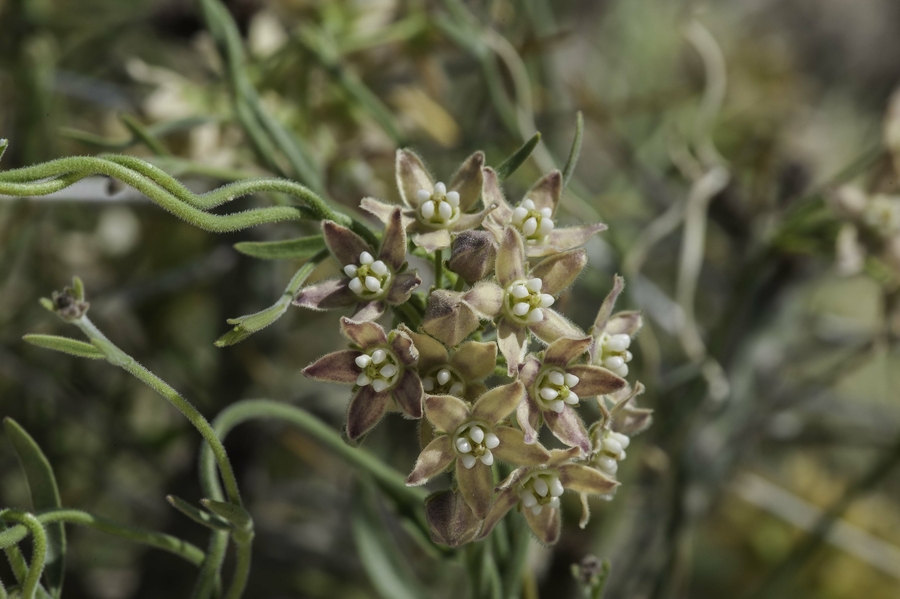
point(716, 496)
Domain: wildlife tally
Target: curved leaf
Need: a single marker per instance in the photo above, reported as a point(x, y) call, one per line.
point(512, 164)
point(288, 249)
point(73, 347)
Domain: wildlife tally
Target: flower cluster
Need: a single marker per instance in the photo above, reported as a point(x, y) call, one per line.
point(488, 360)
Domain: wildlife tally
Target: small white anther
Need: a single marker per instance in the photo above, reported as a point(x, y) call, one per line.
point(388, 371)
point(618, 342)
point(453, 198)
point(428, 384)
point(440, 188)
point(534, 285)
point(422, 195)
point(557, 378)
point(612, 447)
point(350, 270)
point(491, 440)
point(529, 227)
point(379, 385)
point(476, 434)
point(536, 315)
point(366, 258)
point(373, 284)
point(443, 376)
point(546, 212)
point(445, 210)
point(558, 406)
point(554, 503)
point(547, 300)
point(545, 227)
point(519, 291)
point(428, 210)
point(608, 464)
point(521, 309)
point(356, 286)
point(572, 399)
point(528, 499)
point(363, 360)
point(362, 380)
point(540, 486)
point(463, 445)
point(537, 509)
point(468, 460)
point(528, 204)
point(379, 268)
point(487, 458)
point(456, 389)
point(571, 380)
point(613, 362)
point(628, 356)
point(556, 488)
point(378, 356)
point(622, 371)
point(549, 393)
point(623, 440)
point(519, 215)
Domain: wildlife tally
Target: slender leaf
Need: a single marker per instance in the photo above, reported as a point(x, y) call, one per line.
point(289, 249)
point(3, 145)
point(44, 496)
point(199, 516)
point(67, 346)
point(236, 515)
point(575, 152)
point(512, 164)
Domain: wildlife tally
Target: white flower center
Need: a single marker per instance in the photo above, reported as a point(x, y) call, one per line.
point(473, 442)
point(553, 389)
point(444, 380)
point(525, 303)
point(539, 489)
point(439, 208)
point(609, 451)
point(379, 368)
point(369, 280)
point(883, 215)
point(614, 354)
point(534, 224)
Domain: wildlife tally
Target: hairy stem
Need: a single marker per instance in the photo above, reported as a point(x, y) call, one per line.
point(38, 552)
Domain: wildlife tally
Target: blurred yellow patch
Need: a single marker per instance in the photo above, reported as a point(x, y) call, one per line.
point(416, 107)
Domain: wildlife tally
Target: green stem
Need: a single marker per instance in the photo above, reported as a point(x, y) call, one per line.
point(211, 568)
point(38, 552)
point(173, 545)
point(119, 358)
point(241, 570)
point(439, 269)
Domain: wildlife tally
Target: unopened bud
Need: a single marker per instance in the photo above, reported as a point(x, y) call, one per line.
point(472, 255)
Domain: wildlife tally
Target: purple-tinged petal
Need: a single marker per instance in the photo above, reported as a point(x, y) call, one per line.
point(606, 308)
point(628, 322)
point(504, 500)
point(476, 485)
point(510, 265)
point(511, 338)
point(562, 351)
point(545, 525)
point(554, 326)
point(393, 242)
point(344, 244)
point(485, 298)
point(560, 270)
point(631, 421)
point(472, 255)
point(412, 175)
point(467, 221)
point(595, 380)
point(336, 367)
point(498, 403)
point(432, 352)
point(402, 287)
point(562, 456)
point(448, 318)
point(545, 193)
point(433, 460)
point(468, 181)
point(368, 311)
point(445, 412)
point(568, 238)
point(380, 210)
point(528, 415)
point(450, 519)
point(568, 427)
point(408, 394)
point(514, 450)
point(529, 370)
point(367, 408)
point(584, 479)
point(363, 334)
point(403, 347)
point(330, 294)
point(475, 360)
point(433, 240)
point(492, 195)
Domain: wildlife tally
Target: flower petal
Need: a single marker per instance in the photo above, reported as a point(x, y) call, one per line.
point(476, 485)
point(402, 345)
point(336, 367)
point(485, 298)
point(595, 380)
point(561, 456)
point(499, 402)
point(475, 360)
point(628, 322)
point(472, 255)
point(450, 519)
point(368, 311)
point(380, 210)
point(433, 240)
point(511, 338)
point(545, 525)
point(510, 258)
point(363, 334)
point(492, 195)
point(402, 287)
point(468, 221)
point(584, 479)
point(330, 294)
point(505, 498)
point(448, 318)
point(606, 308)
point(467, 180)
point(408, 394)
point(568, 238)
point(560, 270)
point(433, 460)
point(411, 177)
point(366, 410)
point(393, 242)
point(568, 427)
point(445, 412)
point(528, 415)
point(545, 193)
point(562, 351)
point(344, 244)
point(632, 421)
point(514, 450)
point(432, 352)
point(554, 326)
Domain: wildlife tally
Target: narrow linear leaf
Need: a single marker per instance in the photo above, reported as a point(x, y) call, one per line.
point(44, 496)
point(72, 347)
point(4, 143)
point(575, 152)
point(236, 515)
point(197, 515)
point(512, 164)
point(289, 249)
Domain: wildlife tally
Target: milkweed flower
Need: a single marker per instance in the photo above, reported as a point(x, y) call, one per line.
point(372, 280)
point(382, 369)
point(458, 372)
point(613, 333)
point(433, 210)
point(472, 437)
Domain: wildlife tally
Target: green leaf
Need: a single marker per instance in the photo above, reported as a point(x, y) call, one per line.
point(234, 514)
point(512, 164)
point(384, 563)
point(199, 516)
point(4, 143)
point(289, 249)
point(247, 325)
point(44, 496)
point(67, 346)
point(575, 152)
